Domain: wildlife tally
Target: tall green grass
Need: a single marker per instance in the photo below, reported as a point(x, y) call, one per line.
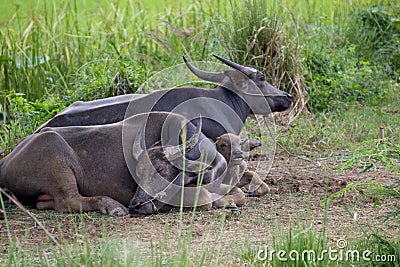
point(256, 37)
point(62, 52)
point(354, 61)
point(72, 50)
point(44, 53)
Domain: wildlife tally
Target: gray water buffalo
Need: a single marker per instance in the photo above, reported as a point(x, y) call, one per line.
point(240, 92)
point(86, 168)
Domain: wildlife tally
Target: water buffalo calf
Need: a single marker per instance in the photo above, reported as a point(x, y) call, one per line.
point(230, 146)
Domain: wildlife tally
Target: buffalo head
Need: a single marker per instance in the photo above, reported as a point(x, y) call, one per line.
point(230, 146)
point(160, 172)
point(250, 84)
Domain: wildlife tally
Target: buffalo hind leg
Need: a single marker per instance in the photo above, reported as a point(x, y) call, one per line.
point(66, 198)
point(45, 165)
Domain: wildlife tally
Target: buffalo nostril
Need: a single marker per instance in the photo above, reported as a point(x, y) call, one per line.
point(289, 96)
point(238, 154)
point(134, 208)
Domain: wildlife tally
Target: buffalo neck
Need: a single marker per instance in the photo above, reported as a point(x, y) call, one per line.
point(235, 101)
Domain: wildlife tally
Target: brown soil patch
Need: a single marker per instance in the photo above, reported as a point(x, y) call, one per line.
point(298, 186)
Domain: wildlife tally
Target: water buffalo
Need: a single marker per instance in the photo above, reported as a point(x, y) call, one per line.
point(232, 148)
point(86, 168)
point(240, 92)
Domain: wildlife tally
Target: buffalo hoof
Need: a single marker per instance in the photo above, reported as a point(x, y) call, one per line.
point(118, 212)
point(251, 194)
point(109, 206)
point(236, 211)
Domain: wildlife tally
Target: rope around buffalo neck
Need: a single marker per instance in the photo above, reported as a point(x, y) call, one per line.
point(159, 195)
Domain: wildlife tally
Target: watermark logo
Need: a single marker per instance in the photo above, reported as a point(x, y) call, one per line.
point(339, 253)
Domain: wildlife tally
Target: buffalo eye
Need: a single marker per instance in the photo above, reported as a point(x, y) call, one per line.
point(262, 78)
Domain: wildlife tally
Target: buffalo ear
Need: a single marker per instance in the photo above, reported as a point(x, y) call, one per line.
point(237, 80)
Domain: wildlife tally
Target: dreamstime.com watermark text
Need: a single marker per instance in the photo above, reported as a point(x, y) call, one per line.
point(340, 253)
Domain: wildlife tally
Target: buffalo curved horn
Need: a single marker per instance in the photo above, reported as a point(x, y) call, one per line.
point(204, 75)
point(245, 70)
point(175, 152)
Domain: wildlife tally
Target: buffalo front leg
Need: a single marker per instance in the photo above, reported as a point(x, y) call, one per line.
point(228, 196)
point(251, 183)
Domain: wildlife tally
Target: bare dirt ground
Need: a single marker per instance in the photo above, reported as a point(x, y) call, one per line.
point(297, 188)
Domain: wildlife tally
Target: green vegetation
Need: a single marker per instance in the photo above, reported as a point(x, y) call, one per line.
point(357, 62)
point(340, 59)
point(306, 244)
